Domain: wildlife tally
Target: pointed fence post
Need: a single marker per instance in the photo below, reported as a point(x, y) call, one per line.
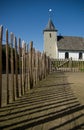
point(20, 62)
point(26, 69)
point(30, 64)
point(1, 37)
point(12, 93)
point(23, 67)
point(16, 69)
point(7, 66)
point(28, 73)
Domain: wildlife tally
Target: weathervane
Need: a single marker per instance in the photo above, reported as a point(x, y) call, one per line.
point(50, 10)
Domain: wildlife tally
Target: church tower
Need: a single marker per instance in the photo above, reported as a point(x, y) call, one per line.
point(50, 40)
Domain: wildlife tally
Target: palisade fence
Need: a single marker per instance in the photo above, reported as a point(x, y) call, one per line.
point(21, 67)
point(73, 65)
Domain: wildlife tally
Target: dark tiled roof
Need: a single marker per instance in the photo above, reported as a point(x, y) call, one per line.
point(50, 26)
point(70, 43)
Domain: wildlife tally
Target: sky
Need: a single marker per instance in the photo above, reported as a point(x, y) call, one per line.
point(28, 18)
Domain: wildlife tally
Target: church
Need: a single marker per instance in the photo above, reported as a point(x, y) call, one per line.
point(62, 47)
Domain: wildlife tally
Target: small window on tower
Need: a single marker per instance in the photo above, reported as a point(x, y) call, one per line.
point(50, 35)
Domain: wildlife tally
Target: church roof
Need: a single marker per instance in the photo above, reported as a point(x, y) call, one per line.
point(50, 26)
point(70, 43)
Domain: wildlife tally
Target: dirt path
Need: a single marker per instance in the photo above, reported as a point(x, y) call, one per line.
point(51, 105)
point(77, 84)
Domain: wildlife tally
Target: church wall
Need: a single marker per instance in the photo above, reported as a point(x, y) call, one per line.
point(83, 55)
point(61, 55)
point(74, 55)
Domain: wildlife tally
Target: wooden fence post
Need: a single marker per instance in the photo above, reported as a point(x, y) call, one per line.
point(28, 73)
point(26, 68)
point(70, 64)
point(36, 65)
point(1, 37)
point(35, 60)
point(48, 64)
point(45, 65)
point(7, 66)
point(30, 64)
point(16, 69)
point(20, 62)
point(12, 97)
point(23, 82)
point(82, 65)
point(33, 67)
point(39, 65)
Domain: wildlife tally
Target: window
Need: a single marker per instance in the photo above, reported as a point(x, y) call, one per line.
point(80, 55)
point(66, 55)
point(50, 35)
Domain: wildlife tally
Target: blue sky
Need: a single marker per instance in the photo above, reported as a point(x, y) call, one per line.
point(27, 18)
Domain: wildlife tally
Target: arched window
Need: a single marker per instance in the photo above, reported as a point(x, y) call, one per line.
point(80, 55)
point(66, 55)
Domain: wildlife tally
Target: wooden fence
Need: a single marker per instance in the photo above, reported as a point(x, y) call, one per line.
point(67, 65)
point(24, 67)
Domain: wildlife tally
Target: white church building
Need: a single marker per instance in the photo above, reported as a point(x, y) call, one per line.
point(62, 47)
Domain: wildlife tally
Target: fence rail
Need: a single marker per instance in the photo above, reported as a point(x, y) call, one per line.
point(20, 68)
point(67, 65)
